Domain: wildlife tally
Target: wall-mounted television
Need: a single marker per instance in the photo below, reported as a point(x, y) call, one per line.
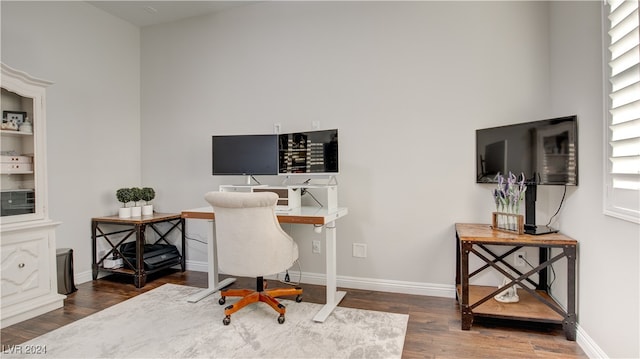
point(245, 155)
point(308, 153)
point(545, 151)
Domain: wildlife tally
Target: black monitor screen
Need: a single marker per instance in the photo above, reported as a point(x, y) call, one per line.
point(313, 152)
point(546, 151)
point(245, 155)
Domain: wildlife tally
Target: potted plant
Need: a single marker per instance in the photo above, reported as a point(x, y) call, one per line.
point(147, 194)
point(136, 196)
point(124, 195)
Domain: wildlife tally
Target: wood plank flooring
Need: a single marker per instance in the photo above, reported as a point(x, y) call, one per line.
point(433, 329)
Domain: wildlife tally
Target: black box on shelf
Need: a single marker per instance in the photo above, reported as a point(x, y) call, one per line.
point(155, 255)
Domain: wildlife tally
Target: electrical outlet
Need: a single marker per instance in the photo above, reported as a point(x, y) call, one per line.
point(276, 128)
point(315, 246)
point(360, 250)
point(519, 259)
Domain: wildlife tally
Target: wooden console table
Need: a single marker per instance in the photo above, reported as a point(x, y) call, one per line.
point(535, 304)
point(136, 226)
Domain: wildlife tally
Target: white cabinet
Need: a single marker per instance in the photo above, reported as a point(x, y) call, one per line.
point(27, 242)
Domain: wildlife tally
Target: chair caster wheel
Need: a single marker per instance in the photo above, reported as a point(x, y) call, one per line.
point(298, 299)
point(222, 300)
point(227, 320)
point(281, 319)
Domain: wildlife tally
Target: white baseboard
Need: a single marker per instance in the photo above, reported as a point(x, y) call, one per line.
point(430, 289)
point(586, 343)
point(416, 288)
point(83, 277)
point(197, 266)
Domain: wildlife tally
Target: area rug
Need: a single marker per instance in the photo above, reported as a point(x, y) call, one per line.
point(162, 324)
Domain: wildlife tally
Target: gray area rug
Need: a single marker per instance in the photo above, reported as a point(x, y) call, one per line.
point(162, 324)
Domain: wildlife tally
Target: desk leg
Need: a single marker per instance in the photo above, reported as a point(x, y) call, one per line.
point(333, 296)
point(213, 285)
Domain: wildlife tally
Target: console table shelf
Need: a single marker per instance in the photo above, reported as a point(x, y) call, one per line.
point(535, 304)
point(528, 308)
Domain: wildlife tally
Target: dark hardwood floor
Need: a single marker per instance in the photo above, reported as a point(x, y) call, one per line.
point(433, 329)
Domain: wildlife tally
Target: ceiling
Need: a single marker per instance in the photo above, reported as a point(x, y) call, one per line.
point(145, 13)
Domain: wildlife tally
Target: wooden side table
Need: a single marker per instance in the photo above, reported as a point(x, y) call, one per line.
point(535, 305)
point(135, 226)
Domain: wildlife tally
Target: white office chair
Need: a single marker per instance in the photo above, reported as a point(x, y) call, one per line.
point(251, 243)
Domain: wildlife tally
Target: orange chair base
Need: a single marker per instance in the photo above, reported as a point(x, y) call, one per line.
point(251, 296)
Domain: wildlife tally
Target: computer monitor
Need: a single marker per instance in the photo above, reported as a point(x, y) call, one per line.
point(245, 155)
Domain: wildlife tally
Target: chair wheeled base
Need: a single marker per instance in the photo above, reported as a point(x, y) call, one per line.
point(259, 295)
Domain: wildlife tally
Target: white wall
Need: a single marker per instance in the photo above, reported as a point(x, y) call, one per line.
point(609, 272)
point(407, 84)
point(93, 108)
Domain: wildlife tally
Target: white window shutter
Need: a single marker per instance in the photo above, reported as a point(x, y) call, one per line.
point(622, 177)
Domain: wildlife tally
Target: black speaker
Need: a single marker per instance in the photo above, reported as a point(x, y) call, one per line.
point(64, 264)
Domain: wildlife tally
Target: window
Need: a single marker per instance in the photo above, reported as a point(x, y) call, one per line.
point(622, 154)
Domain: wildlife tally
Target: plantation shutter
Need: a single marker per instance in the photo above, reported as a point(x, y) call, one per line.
point(622, 193)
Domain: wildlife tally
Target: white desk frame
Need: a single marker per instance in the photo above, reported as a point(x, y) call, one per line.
point(303, 215)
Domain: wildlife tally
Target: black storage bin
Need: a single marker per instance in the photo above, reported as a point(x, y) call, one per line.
point(64, 259)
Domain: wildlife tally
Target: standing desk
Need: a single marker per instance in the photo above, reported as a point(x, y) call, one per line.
point(318, 217)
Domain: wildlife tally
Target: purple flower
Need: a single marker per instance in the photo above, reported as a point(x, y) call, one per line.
point(509, 193)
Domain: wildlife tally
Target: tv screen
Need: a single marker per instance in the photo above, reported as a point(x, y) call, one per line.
point(545, 151)
point(313, 152)
point(245, 155)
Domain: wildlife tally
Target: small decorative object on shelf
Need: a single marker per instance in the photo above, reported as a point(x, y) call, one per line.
point(509, 295)
point(124, 195)
point(507, 196)
point(147, 195)
point(136, 196)
point(26, 126)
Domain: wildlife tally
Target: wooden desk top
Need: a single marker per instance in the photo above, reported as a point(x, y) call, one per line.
point(483, 233)
point(303, 215)
point(155, 217)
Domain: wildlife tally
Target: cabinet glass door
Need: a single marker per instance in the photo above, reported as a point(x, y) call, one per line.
point(17, 172)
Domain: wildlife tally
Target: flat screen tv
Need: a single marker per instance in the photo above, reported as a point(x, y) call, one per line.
point(545, 151)
point(312, 152)
point(245, 155)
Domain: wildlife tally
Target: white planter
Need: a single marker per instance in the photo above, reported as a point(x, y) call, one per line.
point(124, 212)
point(136, 211)
point(147, 210)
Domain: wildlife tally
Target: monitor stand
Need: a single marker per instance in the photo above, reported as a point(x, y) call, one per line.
point(537, 230)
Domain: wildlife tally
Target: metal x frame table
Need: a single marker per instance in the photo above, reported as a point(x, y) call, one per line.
point(136, 226)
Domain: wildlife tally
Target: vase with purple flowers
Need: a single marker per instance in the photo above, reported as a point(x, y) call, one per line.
point(508, 196)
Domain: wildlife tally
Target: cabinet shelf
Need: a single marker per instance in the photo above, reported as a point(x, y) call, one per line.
point(15, 133)
point(17, 173)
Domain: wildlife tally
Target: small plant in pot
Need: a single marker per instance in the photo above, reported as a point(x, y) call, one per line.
point(136, 196)
point(124, 195)
point(147, 195)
